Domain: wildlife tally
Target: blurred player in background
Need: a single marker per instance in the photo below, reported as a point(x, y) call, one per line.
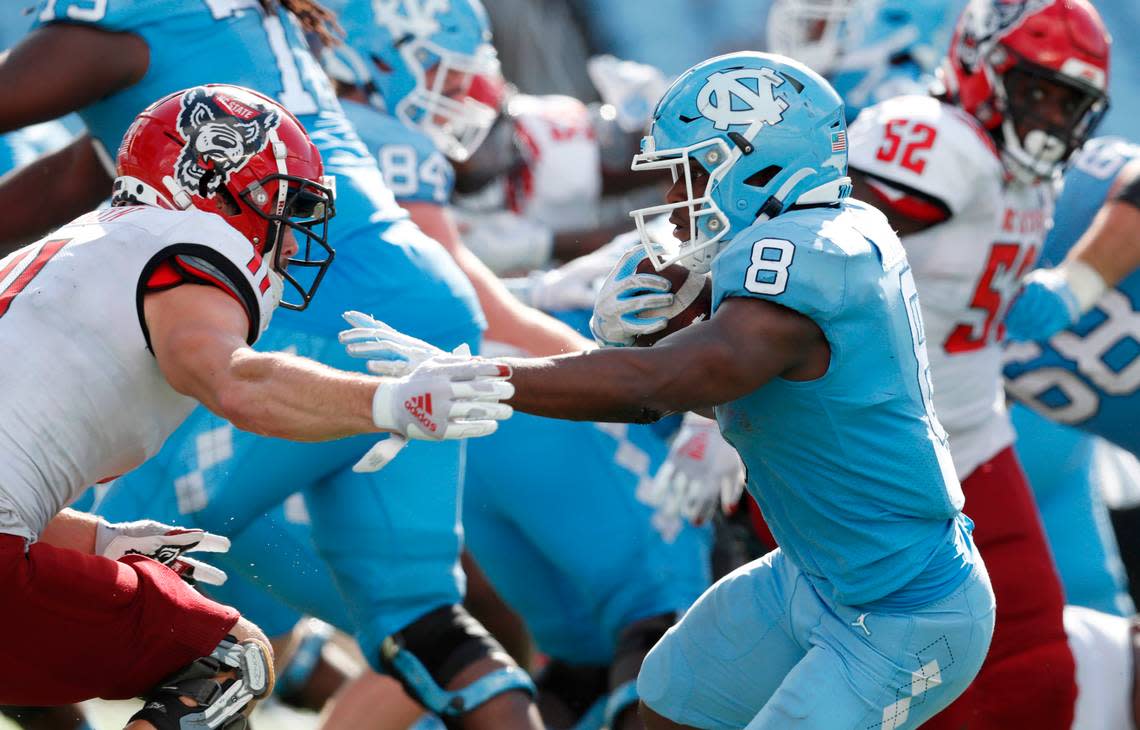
point(968, 182)
point(394, 552)
point(802, 276)
point(586, 609)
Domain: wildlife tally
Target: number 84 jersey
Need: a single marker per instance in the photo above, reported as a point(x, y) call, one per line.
point(1088, 375)
point(932, 162)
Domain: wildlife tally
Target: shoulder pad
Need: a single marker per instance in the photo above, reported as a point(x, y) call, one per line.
point(797, 260)
point(917, 143)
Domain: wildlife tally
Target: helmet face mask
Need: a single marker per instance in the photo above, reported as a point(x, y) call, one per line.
point(811, 31)
point(237, 154)
point(441, 105)
point(707, 224)
point(306, 212)
point(419, 60)
point(1034, 73)
point(1046, 118)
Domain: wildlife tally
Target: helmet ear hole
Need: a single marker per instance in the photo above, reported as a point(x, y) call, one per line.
point(763, 177)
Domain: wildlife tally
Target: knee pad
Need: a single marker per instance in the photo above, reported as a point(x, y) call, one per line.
point(634, 643)
point(428, 653)
point(578, 687)
point(220, 701)
point(293, 677)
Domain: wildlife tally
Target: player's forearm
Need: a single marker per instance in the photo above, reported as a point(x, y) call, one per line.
point(72, 530)
point(1111, 245)
point(68, 183)
point(283, 396)
point(633, 385)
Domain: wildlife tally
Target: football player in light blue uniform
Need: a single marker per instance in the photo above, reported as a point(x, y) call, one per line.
point(391, 539)
point(594, 578)
point(876, 611)
point(1078, 369)
point(870, 50)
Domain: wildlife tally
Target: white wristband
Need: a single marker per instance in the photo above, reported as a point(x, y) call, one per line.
point(1085, 282)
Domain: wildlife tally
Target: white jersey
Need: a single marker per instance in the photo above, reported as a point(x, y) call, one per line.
point(1102, 649)
point(82, 397)
point(938, 160)
point(511, 222)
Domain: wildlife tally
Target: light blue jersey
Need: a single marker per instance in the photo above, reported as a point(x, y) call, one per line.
point(876, 611)
point(852, 470)
point(1087, 376)
point(22, 146)
point(416, 172)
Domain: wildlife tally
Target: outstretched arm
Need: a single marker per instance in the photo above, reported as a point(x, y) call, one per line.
point(747, 343)
point(205, 356)
point(197, 335)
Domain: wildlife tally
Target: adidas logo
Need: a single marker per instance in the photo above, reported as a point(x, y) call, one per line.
point(420, 408)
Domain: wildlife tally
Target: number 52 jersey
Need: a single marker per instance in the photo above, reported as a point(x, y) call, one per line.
point(81, 395)
point(1088, 375)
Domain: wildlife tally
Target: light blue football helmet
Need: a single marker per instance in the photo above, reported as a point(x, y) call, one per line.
point(770, 133)
point(870, 50)
point(419, 60)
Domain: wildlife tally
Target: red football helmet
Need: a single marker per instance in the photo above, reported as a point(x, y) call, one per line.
point(1034, 73)
point(236, 153)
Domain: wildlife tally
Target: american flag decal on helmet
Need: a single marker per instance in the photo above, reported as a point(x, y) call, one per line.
point(838, 141)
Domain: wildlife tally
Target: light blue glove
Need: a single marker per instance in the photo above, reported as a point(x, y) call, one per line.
point(624, 297)
point(1046, 305)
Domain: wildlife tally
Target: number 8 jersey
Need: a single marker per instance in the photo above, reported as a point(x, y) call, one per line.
point(81, 395)
point(851, 470)
point(1088, 375)
point(932, 162)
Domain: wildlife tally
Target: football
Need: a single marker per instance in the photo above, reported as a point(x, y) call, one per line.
point(692, 300)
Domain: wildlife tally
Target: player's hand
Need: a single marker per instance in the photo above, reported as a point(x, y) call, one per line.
point(624, 297)
point(445, 397)
point(165, 543)
point(702, 473)
point(1046, 305)
point(388, 351)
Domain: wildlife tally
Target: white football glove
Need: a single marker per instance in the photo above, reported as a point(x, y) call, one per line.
point(165, 543)
point(702, 473)
point(389, 352)
point(433, 395)
point(623, 297)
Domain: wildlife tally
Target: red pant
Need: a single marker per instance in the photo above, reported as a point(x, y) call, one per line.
point(78, 626)
point(1027, 680)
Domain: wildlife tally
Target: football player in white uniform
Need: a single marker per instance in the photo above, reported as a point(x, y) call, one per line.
point(968, 181)
point(114, 327)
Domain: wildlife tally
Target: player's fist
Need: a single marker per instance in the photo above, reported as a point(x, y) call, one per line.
point(165, 543)
point(625, 298)
point(703, 472)
point(445, 397)
point(1052, 299)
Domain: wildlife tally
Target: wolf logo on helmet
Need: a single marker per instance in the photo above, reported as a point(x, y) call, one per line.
point(221, 134)
point(984, 22)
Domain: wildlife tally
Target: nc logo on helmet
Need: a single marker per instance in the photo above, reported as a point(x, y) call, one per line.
point(221, 135)
point(741, 96)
